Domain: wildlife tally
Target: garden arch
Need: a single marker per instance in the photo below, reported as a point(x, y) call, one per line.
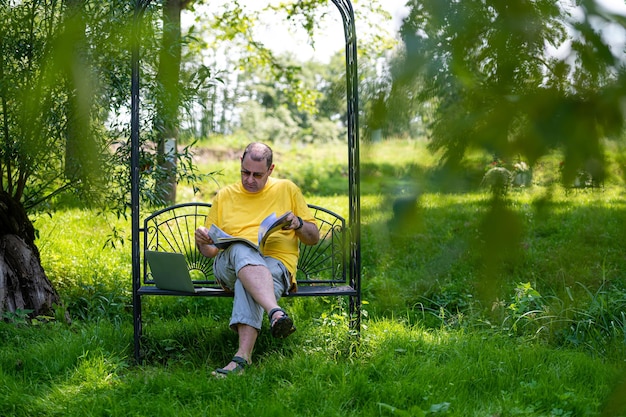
point(354, 217)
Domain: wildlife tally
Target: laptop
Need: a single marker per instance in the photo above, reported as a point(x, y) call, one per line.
point(169, 271)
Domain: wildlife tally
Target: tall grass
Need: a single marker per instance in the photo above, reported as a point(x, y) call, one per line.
point(537, 330)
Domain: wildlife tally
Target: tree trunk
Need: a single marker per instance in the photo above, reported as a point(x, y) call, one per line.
point(23, 282)
point(81, 149)
point(168, 76)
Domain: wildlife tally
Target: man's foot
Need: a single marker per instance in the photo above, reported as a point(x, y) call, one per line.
point(281, 324)
point(236, 367)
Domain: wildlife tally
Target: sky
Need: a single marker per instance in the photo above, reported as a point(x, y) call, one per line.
point(330, 36)
point(614, 34)
point(616, 6)
point(326, 44)
point(329, 40)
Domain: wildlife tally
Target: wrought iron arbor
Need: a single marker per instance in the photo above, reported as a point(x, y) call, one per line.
point(354, 217)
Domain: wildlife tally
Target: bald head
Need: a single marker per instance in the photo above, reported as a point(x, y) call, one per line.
point(259, 152)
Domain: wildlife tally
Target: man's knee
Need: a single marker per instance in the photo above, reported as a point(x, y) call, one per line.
point(252, 271)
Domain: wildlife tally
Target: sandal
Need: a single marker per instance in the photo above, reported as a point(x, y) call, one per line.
point(242, 364)
point(282, 326)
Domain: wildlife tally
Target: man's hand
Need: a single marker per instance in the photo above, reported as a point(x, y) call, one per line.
point(306, 232)
point(204, 242)
point(295, 222)
point(202, 236)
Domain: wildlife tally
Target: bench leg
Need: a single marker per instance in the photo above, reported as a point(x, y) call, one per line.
point(355, 314)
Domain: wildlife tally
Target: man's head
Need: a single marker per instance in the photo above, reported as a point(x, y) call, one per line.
point(256, 166)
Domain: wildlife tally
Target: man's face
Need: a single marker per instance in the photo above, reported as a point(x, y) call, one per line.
point(254, 174)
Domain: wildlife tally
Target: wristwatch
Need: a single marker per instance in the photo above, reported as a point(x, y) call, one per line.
point(301, 223)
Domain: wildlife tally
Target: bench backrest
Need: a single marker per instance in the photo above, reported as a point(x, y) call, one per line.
point(172, 230)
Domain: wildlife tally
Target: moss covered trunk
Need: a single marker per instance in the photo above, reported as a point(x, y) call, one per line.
point(23, 281)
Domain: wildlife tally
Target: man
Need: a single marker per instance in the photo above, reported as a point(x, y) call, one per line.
point(257, 280)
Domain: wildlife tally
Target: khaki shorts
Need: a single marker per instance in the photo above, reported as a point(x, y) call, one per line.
point(226, 266)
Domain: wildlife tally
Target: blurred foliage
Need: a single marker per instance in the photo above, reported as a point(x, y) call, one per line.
point(56, 94)
point(517, 80)
point(489, 73)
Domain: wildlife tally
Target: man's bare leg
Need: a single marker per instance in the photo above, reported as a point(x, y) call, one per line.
point(258, 282)
point(247, 339)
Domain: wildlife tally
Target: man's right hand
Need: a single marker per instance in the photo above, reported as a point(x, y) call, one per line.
point(204, 242)
point(202, 236)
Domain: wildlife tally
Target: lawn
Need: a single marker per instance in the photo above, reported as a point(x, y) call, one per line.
point(470, 308)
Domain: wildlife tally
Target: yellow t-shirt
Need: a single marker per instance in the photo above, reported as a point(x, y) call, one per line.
point(239, 213)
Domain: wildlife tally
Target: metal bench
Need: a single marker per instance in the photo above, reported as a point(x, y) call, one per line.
point(322, 268)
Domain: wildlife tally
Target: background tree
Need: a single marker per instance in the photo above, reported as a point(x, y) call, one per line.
point(270, 112)
point(310, 93)
point(37, 138)
point(59, 88)
point(168, 96)
point(72, 56)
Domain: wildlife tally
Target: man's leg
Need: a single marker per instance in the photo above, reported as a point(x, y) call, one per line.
point(264, 280)
point(247, 339)
point(258, 282)
point(256, 289)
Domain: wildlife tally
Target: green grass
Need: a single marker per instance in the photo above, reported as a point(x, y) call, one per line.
point(82, 371)
point(458, 320)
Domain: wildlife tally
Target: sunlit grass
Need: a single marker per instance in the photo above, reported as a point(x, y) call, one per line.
point(320, 371)
point(429, 345)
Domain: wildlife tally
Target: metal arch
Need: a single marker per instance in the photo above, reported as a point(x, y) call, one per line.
point(139, 10)
point(354, 193)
